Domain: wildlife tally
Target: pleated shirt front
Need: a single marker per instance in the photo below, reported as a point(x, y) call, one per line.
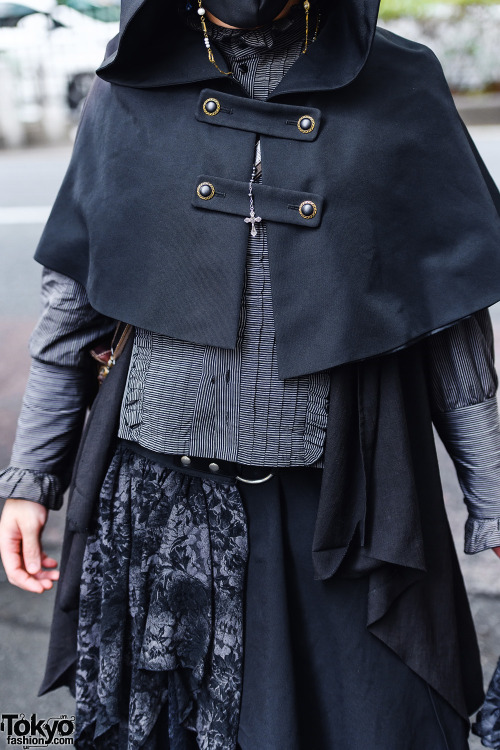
point(230, 404)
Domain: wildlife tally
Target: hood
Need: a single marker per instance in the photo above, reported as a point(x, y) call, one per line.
point(155, 47)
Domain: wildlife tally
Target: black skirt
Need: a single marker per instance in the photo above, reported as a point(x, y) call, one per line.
point(201, 626)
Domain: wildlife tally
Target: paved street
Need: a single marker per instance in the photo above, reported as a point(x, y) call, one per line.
point(29, 180)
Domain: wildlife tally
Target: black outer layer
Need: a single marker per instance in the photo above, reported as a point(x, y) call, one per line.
point(381, 513)
point(94, 454)
point(406, 239)
point(408, 236)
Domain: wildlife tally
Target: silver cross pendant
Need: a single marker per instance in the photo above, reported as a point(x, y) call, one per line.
point(252, 219)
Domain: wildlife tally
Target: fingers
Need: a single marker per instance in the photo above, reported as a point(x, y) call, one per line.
point(30, 546)
point(46, 582)
point(13, 564)
point(35, 559)
point(17, 575)
point(26, 564)
point(50, 575)
point(48, 562)
point(496, 550)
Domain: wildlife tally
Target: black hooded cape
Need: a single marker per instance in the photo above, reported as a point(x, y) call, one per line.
point(405, 240)
point(406, 235)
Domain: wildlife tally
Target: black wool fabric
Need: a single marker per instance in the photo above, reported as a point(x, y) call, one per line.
point(406, 234)
point(314, 676)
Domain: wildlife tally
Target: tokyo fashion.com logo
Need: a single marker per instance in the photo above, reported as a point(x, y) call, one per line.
point(31, 731)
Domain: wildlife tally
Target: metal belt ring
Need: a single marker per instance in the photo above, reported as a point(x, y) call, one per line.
point(255, 481)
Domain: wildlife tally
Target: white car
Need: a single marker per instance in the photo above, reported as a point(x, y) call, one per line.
point(48, 55)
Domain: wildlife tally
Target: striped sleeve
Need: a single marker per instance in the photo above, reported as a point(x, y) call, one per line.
point(463, 387)
point(68, 325)
point(60, 385)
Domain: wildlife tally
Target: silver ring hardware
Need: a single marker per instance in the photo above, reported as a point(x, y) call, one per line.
point(255, 481)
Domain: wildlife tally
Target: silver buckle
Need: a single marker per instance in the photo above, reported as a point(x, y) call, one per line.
point(255, 481)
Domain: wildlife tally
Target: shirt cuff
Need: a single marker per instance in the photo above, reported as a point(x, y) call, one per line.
point(471, 436)
point(481, 534)
point(27, 484)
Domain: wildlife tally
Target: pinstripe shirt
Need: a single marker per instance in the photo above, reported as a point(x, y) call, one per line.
point(229, 403)
point(185, 398)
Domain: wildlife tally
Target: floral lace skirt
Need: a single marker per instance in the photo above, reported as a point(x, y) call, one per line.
point(160, 622)
point(487, 724)
point(202, 626)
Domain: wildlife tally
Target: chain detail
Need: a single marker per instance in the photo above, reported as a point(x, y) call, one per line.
point(201, 13)
point(250, 187)
point(252, 219)
point(307, 7)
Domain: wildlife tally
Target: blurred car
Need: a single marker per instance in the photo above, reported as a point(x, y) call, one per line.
point(48, 55)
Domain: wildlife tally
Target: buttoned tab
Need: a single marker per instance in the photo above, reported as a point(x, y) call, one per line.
point(211, 107)
point(266, 118)
point(271, 203)
point(308, 209)
point(205, 191)
point(306, 124)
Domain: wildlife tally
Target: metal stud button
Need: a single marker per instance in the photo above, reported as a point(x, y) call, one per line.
point(213, 467)
point(308, 209)
point(211, 107)
point(205, 191)
point(185, 460)
point(306, 124)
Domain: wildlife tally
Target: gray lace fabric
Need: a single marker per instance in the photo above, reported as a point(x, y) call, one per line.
point(487, 724)
point(161, 610)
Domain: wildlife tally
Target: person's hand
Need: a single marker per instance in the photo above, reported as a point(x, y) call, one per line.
point(24, 560)
point(496, 550)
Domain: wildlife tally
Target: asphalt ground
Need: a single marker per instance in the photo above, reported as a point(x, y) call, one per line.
point(29, 180)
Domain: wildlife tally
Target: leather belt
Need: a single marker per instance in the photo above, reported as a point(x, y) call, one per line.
point(230, 469)
point(216, 468)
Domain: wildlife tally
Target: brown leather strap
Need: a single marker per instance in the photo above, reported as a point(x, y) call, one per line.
point(107, 357)
point(117, 350)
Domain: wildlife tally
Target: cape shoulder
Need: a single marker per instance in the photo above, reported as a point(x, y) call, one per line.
point(405, 52)
point(411, 73)
point(395, 61)
point(405, 239)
